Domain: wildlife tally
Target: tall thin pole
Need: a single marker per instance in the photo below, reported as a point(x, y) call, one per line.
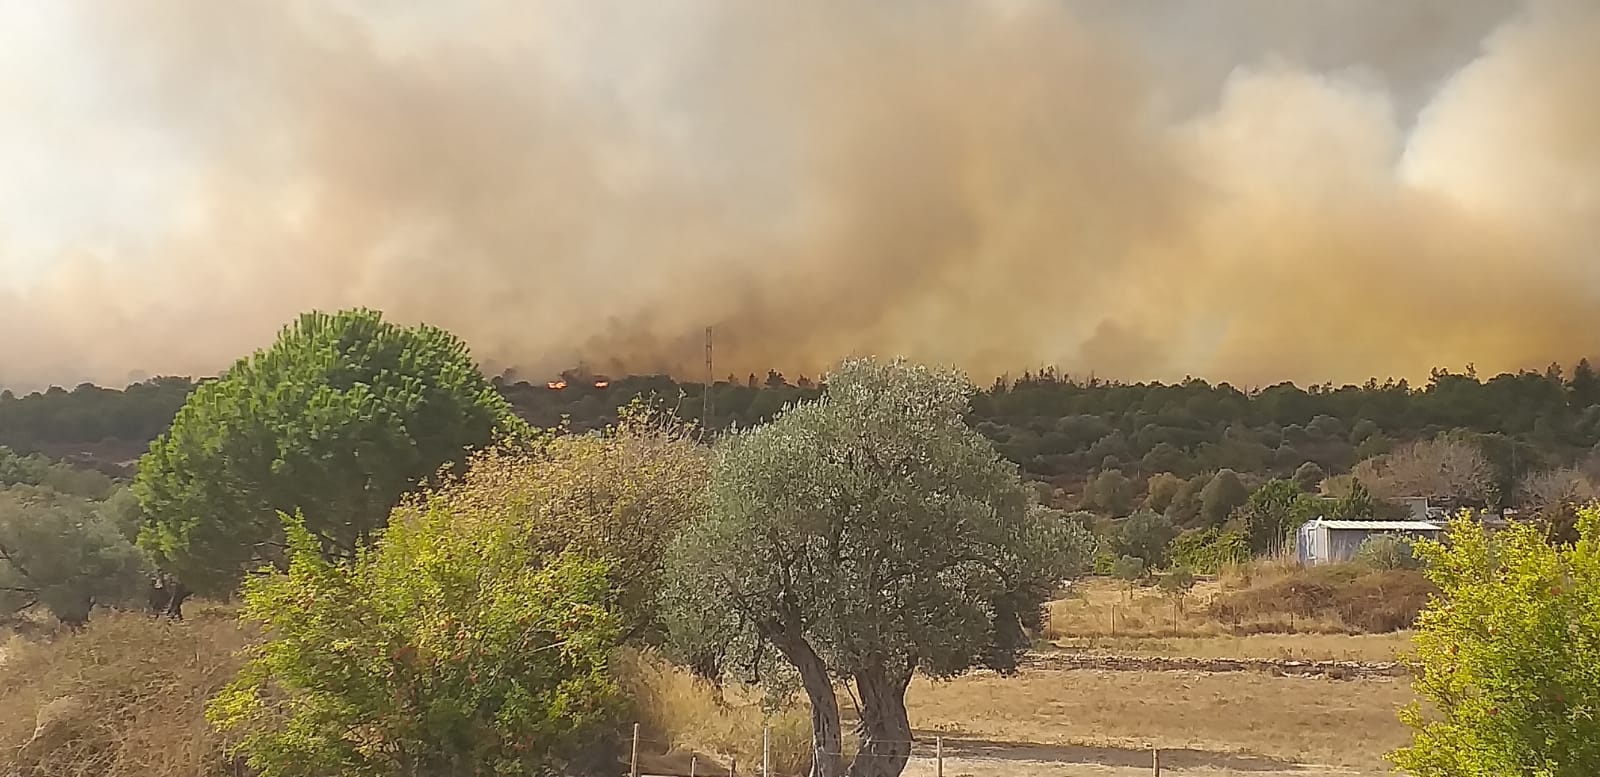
point(705, 410)
point(633, 767)
point(766, 752)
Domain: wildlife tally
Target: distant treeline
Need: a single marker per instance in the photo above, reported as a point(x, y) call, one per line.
point(1055, 428)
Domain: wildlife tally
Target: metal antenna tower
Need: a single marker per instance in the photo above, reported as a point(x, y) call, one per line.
point(705, 410)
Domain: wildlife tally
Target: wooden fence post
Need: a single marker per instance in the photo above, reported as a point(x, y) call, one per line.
point(693, 762)
point(1155, 760)
point(633, 768)
point(938, 756)
point(766, 752)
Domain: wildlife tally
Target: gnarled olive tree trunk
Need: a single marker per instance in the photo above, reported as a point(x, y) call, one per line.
point(827, 739)
point(885, 727)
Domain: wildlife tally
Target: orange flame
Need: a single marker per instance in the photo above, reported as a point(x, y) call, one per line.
point(556, 385)
point(602, 383)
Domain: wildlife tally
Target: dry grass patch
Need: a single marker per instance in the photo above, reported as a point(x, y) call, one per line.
point(125, 697)
point(1264, 597)
point(1345, 724)
point(681, 713)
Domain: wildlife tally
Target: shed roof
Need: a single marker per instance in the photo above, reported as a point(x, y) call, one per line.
point(1380, 525)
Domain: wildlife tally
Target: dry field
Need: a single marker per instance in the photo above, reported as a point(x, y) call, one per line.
point(1212, 723)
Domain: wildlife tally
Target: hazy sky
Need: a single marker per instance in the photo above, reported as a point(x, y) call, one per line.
point(1250, 190)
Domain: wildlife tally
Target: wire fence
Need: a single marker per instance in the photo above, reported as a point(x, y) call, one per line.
point(923, 757)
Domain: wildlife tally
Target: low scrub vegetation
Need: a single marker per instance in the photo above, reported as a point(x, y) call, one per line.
point(1352, 598)
point(123, 697)
point(1259, 597)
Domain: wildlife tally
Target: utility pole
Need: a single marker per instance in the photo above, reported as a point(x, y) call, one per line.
point(705, 409)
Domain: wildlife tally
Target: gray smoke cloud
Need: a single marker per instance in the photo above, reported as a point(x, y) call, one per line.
point(1250, 191)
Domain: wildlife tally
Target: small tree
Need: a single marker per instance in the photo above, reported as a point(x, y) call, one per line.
point(336, 420)
point(1554, 498)
point(1161, 490)
point(862, 538)
point(450, 649)
point(1112, 493)
point(1273, 511)
point(1506, 656)
point(1308, 477)
point(1145, 536)
point(1184, 509)
point(1224, 494)
point(65, 554)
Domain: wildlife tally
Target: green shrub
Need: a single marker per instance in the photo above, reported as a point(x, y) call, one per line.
point(1388, 551)
point(1207, 551)
point(1129, 568)
point(450, 649)
point(1505, 659)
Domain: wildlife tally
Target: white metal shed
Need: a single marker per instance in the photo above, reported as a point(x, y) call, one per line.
point(1321, 541)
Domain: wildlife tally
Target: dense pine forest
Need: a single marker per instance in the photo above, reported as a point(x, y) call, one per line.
point(1059, 430)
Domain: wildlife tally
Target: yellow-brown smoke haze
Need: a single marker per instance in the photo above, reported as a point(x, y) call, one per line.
point(995, 184)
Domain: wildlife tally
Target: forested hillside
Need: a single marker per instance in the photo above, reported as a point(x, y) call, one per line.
point(1058, 429)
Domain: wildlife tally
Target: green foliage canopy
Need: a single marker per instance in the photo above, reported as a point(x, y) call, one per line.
point(1221, 497)
point(451, 648)
point(1274, 511)
point(66, 554)
point(1207, 551)
point(1509, 656)
point(336, 420)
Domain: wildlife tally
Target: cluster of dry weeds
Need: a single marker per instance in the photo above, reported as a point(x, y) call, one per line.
point(125, 697)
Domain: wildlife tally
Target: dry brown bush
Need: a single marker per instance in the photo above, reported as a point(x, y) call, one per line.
point(1359, 599)
point(124, 697)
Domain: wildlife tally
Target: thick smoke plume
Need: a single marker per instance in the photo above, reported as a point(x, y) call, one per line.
point(1345, 191)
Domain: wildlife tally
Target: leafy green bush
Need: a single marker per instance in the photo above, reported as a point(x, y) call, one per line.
point(1207, 551)
point(1129, 568)
point(451, 648)
point(1388, 551)
point(1505, 660)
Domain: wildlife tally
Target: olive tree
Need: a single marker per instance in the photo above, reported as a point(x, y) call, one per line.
point(862, 538)
point(65, 554)
point(336, 420)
